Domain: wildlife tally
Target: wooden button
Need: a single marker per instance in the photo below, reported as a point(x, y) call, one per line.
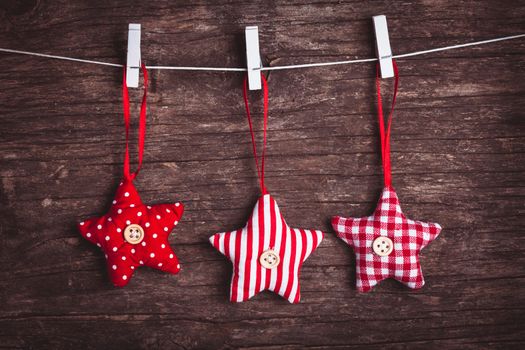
point(383, 246)
point(134, 234)
point(269, 259)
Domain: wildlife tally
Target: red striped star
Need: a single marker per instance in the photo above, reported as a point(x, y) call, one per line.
point(266, 253)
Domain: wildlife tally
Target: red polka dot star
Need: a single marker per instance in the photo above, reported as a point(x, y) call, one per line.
point(132, 234)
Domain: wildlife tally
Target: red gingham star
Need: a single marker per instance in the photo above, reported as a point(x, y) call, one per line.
point(122, 257)
point(408, 237)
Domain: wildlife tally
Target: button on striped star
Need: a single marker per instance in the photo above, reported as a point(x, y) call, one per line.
point(266, 254)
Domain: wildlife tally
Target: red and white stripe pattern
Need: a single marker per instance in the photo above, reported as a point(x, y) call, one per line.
point(266, 229)
point(408, 236)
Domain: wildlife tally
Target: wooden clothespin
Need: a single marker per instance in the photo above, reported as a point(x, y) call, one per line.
point(133, 61)
point(383, 50)
point(253, 58)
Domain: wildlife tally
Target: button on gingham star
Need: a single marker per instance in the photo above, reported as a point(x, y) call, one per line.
point(408, 236)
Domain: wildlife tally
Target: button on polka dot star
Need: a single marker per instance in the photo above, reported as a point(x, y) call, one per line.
point(108, 234)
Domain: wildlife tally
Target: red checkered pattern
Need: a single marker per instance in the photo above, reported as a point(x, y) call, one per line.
point(408, 236)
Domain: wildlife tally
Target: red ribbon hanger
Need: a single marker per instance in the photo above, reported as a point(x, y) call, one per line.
point(385, 136)
point(260, 170)
point(142, 124)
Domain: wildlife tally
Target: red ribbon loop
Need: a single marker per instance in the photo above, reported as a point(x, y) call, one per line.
point(260, 170)
point(385, 136)
point(142, 124)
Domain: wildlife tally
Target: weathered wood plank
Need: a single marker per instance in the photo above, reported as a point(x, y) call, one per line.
point(458, 159)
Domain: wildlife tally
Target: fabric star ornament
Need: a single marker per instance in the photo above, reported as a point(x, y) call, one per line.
point(133, 234)
point(266, 253)
point(386, 244)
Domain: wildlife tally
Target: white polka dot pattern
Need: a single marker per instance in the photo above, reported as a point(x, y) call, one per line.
point(157, 221)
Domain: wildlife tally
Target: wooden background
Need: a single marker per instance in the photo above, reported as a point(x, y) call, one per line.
point(458, 159)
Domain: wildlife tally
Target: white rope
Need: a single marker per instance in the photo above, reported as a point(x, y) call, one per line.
point(211, 69)
point(294, 66)
point(452, 47)
point(323, 64)
point(60, 57)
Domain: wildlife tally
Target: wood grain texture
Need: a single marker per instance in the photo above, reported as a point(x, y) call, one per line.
point(458, 159)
